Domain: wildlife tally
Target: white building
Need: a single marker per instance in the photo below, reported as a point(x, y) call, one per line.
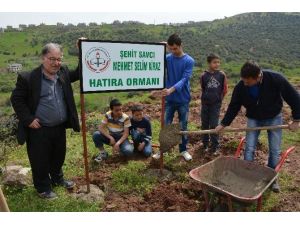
point(14, 67)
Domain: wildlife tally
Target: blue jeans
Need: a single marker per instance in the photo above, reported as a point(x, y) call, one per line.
point(210, 120)
point(274, 138)
point(138, 138)
point(183, 113)
point(125, 148)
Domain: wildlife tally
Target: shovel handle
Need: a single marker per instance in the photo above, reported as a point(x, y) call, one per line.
point(235, 130)
point(3, 204)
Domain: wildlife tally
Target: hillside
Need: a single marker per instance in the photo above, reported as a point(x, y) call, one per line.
point(271, 38)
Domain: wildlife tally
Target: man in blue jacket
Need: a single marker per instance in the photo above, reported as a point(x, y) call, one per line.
point(262, 93)
point(180, 67)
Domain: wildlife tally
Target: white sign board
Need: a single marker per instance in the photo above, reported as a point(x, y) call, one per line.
point(120, 66)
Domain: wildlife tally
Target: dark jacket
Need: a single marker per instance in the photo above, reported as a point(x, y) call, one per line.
point(25, 98)
point(273, 89)
point(214, 87)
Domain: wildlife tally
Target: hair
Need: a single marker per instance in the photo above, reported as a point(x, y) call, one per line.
point(137, 108)
point(250, 69)
point(174, 39)
point(211, 57)
point(48, 47)
point(114, 102)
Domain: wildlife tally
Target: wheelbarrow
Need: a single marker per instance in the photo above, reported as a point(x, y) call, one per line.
point(236, 180)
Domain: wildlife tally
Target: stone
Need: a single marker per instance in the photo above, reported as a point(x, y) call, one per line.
point(165, 176)
point(16, 176)
point(95, 194)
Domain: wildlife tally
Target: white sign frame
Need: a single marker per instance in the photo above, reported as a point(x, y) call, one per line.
point(142, 67)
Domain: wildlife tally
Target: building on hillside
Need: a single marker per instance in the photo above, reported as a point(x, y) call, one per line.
point(14, 67)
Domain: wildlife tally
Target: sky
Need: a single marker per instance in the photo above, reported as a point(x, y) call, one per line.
point(150, 12)
point(16, 18)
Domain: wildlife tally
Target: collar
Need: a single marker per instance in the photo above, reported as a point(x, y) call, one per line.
point(212, 72)
point(44, 76)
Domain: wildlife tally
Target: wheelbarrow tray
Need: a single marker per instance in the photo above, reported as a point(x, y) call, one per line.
point(240, 179)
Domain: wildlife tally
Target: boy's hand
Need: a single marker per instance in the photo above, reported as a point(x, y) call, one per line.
point(112, 141)
point(219, 128)
point(294, 126)
point(116, 147)
point(168, 91)
point(141, 130)
point(141, 146)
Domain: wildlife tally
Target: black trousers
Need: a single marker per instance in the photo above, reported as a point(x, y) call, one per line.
point(46, 149)
point(210, 120)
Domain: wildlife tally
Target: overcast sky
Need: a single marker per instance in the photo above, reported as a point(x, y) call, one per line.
point(14, 19)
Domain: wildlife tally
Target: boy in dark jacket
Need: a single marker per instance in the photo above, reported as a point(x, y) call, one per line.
point(214, 88)
point(262, 93)
point(141, 131)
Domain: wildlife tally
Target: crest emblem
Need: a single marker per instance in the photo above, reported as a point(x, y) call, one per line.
point(97, 59)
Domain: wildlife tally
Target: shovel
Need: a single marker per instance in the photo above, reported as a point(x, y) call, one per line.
point(170, 135)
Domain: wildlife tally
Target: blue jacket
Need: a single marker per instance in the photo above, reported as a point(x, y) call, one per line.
point(179, 73)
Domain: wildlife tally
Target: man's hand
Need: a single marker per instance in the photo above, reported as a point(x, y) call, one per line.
point(35, 124)
point(219, 128)
point(168, 91)
point(112, 141)
point(77, 42)
point(294, 126)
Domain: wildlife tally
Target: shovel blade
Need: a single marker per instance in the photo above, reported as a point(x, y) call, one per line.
point(169, 137)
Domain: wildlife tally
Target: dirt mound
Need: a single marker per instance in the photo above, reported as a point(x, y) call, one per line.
point(116, 202)
point(153, 111)
point(173, 198)
point(163, 198)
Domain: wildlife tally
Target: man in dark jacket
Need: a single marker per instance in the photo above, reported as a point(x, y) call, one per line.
point(262, 93)
point(44, 103)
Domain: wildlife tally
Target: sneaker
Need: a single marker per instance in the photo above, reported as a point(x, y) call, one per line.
point(205, 148)
point(156, 155)
point(216, 151)
point(68, 184)
point(47, 195)
point(186, 155)
point(101, 156)
point(275, 187)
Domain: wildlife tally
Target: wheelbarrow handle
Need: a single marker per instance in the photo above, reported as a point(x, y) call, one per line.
point(239, 148)
point(283, 157)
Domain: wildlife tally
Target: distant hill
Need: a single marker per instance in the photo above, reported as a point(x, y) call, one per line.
point(272, 38)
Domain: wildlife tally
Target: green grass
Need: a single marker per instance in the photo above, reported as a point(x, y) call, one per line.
point(271, 199)
point(289, 138)
point(131, 178)
point(26, 200)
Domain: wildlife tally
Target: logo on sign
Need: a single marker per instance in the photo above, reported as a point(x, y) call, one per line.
point(97, 59)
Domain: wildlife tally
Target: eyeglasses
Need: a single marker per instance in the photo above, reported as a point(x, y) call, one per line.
point(53, 59)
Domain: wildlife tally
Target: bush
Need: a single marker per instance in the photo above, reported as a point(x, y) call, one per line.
point(8, 128)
